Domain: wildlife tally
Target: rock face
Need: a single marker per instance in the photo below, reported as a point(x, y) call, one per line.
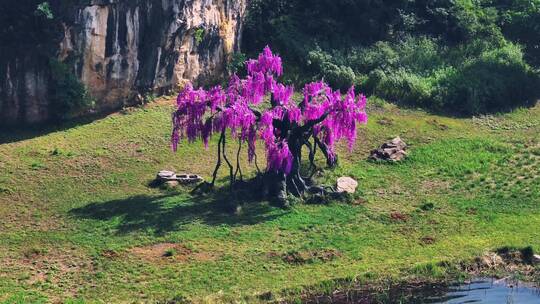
point(393, 150)
point(122, 48)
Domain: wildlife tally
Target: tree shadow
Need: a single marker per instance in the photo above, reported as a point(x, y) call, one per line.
point(173, 212)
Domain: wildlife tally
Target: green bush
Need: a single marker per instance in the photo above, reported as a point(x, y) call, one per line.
point(485, 80)
point(236, 64)
point(461, 56)
point(520, 22)
point(68, 95)
point(326, 67)
point(199, 35)
point(44, 9)
point(498, 80)
point(402, 86)
point(341, 77)
point(381, 55)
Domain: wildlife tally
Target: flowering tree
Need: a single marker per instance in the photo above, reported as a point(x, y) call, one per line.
point(259, 107)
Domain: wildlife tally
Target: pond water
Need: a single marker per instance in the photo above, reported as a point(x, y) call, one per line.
point(484, 290)
point(488, 291)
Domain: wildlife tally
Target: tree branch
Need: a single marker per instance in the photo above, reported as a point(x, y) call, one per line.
point(330, 161)
point(312, 151)
point(214, 176)
point(223, 144)
point(255, 161)
point(310, 124)
point(238, 169)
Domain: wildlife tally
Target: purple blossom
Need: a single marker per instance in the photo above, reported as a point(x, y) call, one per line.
point(282, 94)
point(202, 113)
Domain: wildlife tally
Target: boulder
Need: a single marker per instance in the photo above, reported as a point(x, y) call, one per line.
point(188, 178)
point(165, 175)
point(393, 150)
point(346, 184)
point(536, 259)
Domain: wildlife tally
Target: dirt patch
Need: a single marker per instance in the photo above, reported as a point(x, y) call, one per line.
point(359, 201)
point(384, 121)
point(170, 252)
point(399, 217)
point(394, 189)
point(437, 125)
point(472, 211)
point(26, 220)
point(427, 240)
point(307, 257)
point(110, 254)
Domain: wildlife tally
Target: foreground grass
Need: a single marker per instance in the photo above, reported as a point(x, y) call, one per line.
point(79, 224)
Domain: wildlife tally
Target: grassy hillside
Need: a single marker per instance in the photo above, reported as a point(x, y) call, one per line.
point(79, 224)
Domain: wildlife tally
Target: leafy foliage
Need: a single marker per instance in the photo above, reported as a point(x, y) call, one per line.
point(491, 81)
point(236, 64)
point(520, 21)
point(68, 95)
point(199, 35)
point(429, 53)
point(44, 9)
point(28, 26)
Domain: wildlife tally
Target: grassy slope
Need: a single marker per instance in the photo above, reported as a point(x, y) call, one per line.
point(75, 202)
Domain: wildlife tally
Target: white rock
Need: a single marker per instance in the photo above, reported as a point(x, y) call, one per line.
point(166, 175)
point(536, 259)
point(346, 184)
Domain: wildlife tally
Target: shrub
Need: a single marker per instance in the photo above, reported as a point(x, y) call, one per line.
point(460, 56)
point(421, 55)
point(325, 66)
point(498, 80)
point(68, 95)
point(401, 86)
point(236, 63)
point(44, 9)
point(380, 55)
point(341, 77)
point(199, 35)
point(520, 22)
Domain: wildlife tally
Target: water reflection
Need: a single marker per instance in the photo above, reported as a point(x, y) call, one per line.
point(485, 291)
point(489, 291)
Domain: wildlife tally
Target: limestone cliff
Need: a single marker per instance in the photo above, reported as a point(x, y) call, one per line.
point(121, 49)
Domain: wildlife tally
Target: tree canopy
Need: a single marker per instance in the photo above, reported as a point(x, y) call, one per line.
point(260, 107)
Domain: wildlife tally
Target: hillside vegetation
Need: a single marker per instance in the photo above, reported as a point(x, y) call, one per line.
point(458, 81)
point(79, 221)
point(463, 57)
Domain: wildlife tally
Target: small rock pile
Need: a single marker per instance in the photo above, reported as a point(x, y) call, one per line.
point(393, 150)
point(170, 178)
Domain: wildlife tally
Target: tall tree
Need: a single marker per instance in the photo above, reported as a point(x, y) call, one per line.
point(259, 107)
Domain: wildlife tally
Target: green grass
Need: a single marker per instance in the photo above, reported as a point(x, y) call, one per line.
point(78, 222)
